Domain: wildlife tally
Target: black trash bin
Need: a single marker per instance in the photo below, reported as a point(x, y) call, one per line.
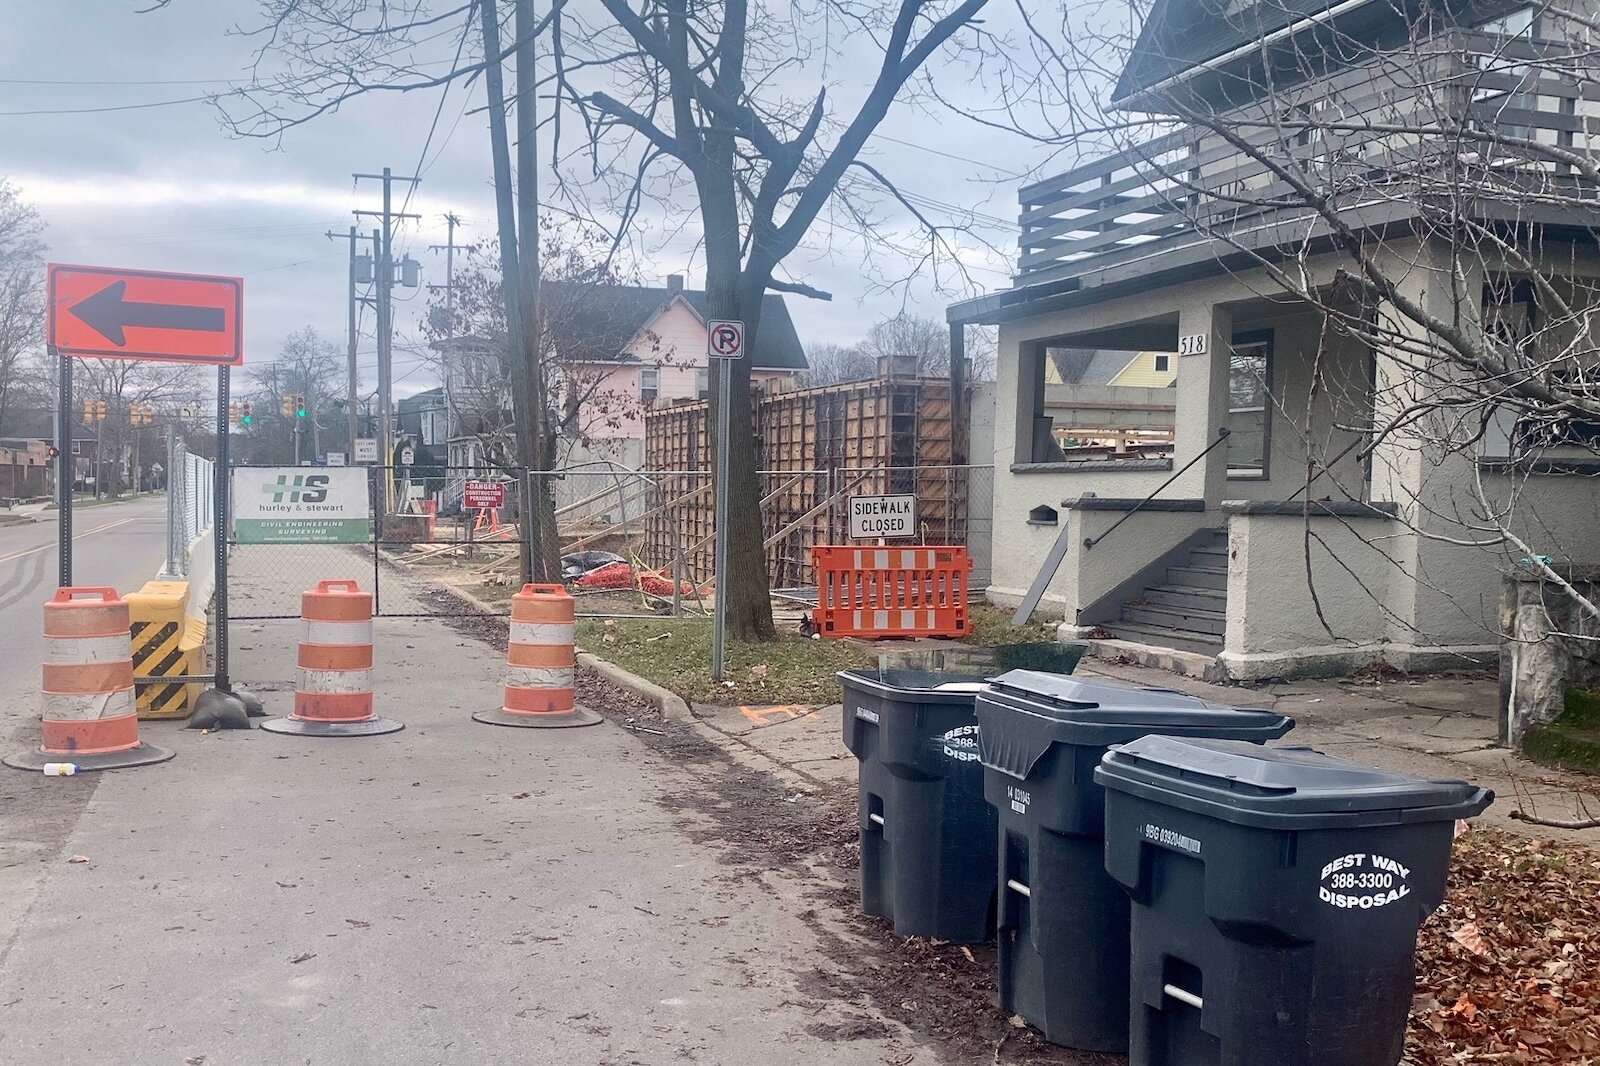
point(1062, 921)
point(927, 836)
point(1276, 898)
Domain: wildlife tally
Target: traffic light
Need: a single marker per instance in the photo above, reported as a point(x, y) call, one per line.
point(299, 406)
point(234, 414)
point(100, 410)
point(88, 410)
point(287, 407)
point(52, 452)
point(245, 416)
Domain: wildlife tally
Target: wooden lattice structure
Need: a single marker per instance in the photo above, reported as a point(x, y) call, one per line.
point(817, 447)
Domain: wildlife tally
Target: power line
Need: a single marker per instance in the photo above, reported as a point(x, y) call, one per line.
point(116, 107)
point(79, 81)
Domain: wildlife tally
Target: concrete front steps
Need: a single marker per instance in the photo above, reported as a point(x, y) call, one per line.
point(1187, 612)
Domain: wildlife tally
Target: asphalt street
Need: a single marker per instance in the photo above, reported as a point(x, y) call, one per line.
point(118, 544)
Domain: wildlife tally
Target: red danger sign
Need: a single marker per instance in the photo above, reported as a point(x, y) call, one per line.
point(483, 495)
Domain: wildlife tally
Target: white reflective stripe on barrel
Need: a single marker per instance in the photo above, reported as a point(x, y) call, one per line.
point(540, 677)
point(328, 682)
point(86, 706)
point(87, 649)
point(335, 632)
point(542, 632)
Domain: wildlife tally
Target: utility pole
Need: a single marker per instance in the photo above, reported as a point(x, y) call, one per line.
point(449, 287)
point(350, 346)
point(384, 276)
point(449, 250)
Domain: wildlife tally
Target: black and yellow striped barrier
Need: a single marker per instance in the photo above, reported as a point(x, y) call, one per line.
point(165, 643)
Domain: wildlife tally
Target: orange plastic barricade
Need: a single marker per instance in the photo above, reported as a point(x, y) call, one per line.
point(891, 592)
point(87, 713)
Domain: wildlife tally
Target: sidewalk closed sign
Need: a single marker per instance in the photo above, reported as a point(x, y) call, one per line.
point(300, 505)
point(883, 516)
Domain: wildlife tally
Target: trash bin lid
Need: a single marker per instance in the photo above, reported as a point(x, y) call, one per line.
point(920, 686)
point(1023, 712)
point(1066, 697)
point(1280, 787)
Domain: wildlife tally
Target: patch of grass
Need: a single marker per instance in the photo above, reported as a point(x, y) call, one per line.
point(1572, 741)
point(991, 627)
point(792, 669)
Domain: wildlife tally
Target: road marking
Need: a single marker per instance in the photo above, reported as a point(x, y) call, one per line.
point(79, 536)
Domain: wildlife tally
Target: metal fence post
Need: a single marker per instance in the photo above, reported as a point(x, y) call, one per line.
point(525, 517)
point(174, 502)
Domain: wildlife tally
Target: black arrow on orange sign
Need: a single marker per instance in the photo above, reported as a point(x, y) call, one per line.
point(109, 311)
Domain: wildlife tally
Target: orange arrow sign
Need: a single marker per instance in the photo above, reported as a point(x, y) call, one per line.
point(112, 313)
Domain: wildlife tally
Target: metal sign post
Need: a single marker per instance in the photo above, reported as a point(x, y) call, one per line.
point(64, 469)
point(724, 340)
point(221, 488)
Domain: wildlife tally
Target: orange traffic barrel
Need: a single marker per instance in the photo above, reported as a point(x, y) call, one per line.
point(541, 663)
point(88, 716)
point(333, 689)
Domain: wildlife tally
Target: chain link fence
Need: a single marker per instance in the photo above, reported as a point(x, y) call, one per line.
point(665, 520)
point(191, 503)
point(463, 528)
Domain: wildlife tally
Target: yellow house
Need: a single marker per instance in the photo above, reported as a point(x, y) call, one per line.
point(1148, 370)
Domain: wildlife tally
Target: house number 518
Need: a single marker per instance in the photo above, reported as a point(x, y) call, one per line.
point(1192, 344)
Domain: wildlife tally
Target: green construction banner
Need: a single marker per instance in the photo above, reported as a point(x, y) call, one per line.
point(301, 505)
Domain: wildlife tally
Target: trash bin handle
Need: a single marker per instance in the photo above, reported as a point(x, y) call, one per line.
point(1184, 996)
point(341, 584)
point(106, 593)
point(543, 590)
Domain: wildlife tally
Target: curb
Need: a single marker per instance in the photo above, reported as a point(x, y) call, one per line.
point(673, 707)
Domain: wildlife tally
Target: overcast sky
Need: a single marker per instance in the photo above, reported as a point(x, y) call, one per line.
point(166, 187)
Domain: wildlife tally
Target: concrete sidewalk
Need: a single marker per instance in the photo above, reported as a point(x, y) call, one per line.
point(454, 893)
point(1441, 727)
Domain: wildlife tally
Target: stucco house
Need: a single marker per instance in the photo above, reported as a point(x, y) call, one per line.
point(1285, 534)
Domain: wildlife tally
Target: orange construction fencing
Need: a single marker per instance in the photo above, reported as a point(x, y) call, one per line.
point(891, 592)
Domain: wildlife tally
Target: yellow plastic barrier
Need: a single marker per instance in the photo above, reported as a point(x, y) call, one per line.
point(165, 643)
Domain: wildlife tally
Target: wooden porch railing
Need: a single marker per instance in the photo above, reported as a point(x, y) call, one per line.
point(1191, 184)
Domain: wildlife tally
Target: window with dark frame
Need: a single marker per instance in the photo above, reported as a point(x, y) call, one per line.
point(1163, 363)
point(1249, 405)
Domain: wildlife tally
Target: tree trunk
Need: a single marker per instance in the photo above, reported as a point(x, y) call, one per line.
point(541, 509)
point(522, 411)
point(731, 295)
point(749, 593)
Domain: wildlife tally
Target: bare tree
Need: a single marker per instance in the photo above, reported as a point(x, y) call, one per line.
point(831, 364)
point(308, 366)
point(126, 449)
point(670, 91)
point(674, 104)
point(579, 344)
point(21, 301)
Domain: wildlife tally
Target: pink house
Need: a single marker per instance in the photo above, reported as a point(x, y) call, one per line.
point(627, 348)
